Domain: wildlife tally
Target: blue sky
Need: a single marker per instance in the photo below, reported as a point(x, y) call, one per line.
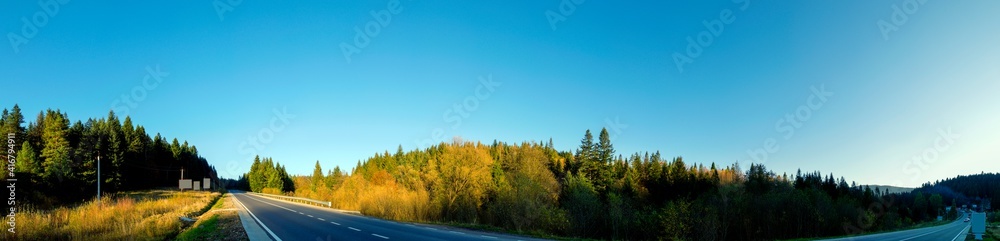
point(224, 70)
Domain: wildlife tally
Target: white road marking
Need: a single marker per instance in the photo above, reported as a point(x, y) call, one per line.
point(335, 223)
point(484, 236)
point(269, 203)
point(352, 228)
point(321, 219)
point(431, 228)
point(925, 234)
point(380, 236)
point(960, 233)
point(456, 232)
point(311, 216)
point(258, 220)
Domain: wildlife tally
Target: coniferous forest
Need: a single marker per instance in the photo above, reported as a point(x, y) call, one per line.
point(594, 192)
point(57, 158)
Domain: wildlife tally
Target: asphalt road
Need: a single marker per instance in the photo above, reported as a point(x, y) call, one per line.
point(294, 221)
point(953, 231)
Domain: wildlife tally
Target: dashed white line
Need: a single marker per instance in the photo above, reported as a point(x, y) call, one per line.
point(484, 236)
point(431, 228)
point(321, 219)
point(352, 228)
point(380, 236)
point(456, 232)
point(311, 216)
point(335, 223)
point(301, 213)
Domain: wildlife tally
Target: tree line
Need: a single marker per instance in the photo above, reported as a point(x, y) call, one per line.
point(57, 162)
point(593, 192)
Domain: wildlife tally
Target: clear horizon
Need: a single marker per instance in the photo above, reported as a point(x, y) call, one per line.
point(818, 87)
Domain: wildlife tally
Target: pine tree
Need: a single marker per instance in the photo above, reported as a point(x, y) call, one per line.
point(605, 151)
point(12, 124)
point(585, 156)
point(57, 150)
point(256, 175)
point(113, 157)
point(317, 177)
point(27, 160)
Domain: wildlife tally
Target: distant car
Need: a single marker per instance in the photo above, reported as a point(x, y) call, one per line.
point(966, 220)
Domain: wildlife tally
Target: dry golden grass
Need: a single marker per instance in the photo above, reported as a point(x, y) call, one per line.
point(146, 215)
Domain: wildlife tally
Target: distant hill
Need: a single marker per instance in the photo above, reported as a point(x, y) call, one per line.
point(892, 189)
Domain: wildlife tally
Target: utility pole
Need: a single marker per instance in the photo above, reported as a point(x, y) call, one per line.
point(98, 179)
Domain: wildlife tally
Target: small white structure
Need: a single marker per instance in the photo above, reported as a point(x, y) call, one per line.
point(979, 225)
point(197, 186)
point(206, 183)
point(184, 184)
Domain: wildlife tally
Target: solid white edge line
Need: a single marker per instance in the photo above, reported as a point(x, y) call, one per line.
point(380, 236)
point(960, 233)
point(256, 219)
point(925, 234)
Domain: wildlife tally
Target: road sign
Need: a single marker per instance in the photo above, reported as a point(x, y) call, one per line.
point(979, 225)
point(184, 184)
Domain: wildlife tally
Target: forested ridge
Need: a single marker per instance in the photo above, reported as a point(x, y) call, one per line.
point(56, 161)
point(593, 192)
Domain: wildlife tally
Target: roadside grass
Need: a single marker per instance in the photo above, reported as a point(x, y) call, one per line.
point(992, 232)
point(138, 215)
point(219, 221)
point(206, 230)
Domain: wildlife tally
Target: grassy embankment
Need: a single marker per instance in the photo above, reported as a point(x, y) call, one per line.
point(140, 215)
point(221, 222)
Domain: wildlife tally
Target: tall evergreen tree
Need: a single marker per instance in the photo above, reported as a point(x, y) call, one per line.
point(605, 151)
point(57, 150)
point(27, 160)
point(586, 156)
point(317, 177)
point(12, 123)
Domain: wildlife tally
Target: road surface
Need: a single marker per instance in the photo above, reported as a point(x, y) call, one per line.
point(953, 231)
point(283, 220)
